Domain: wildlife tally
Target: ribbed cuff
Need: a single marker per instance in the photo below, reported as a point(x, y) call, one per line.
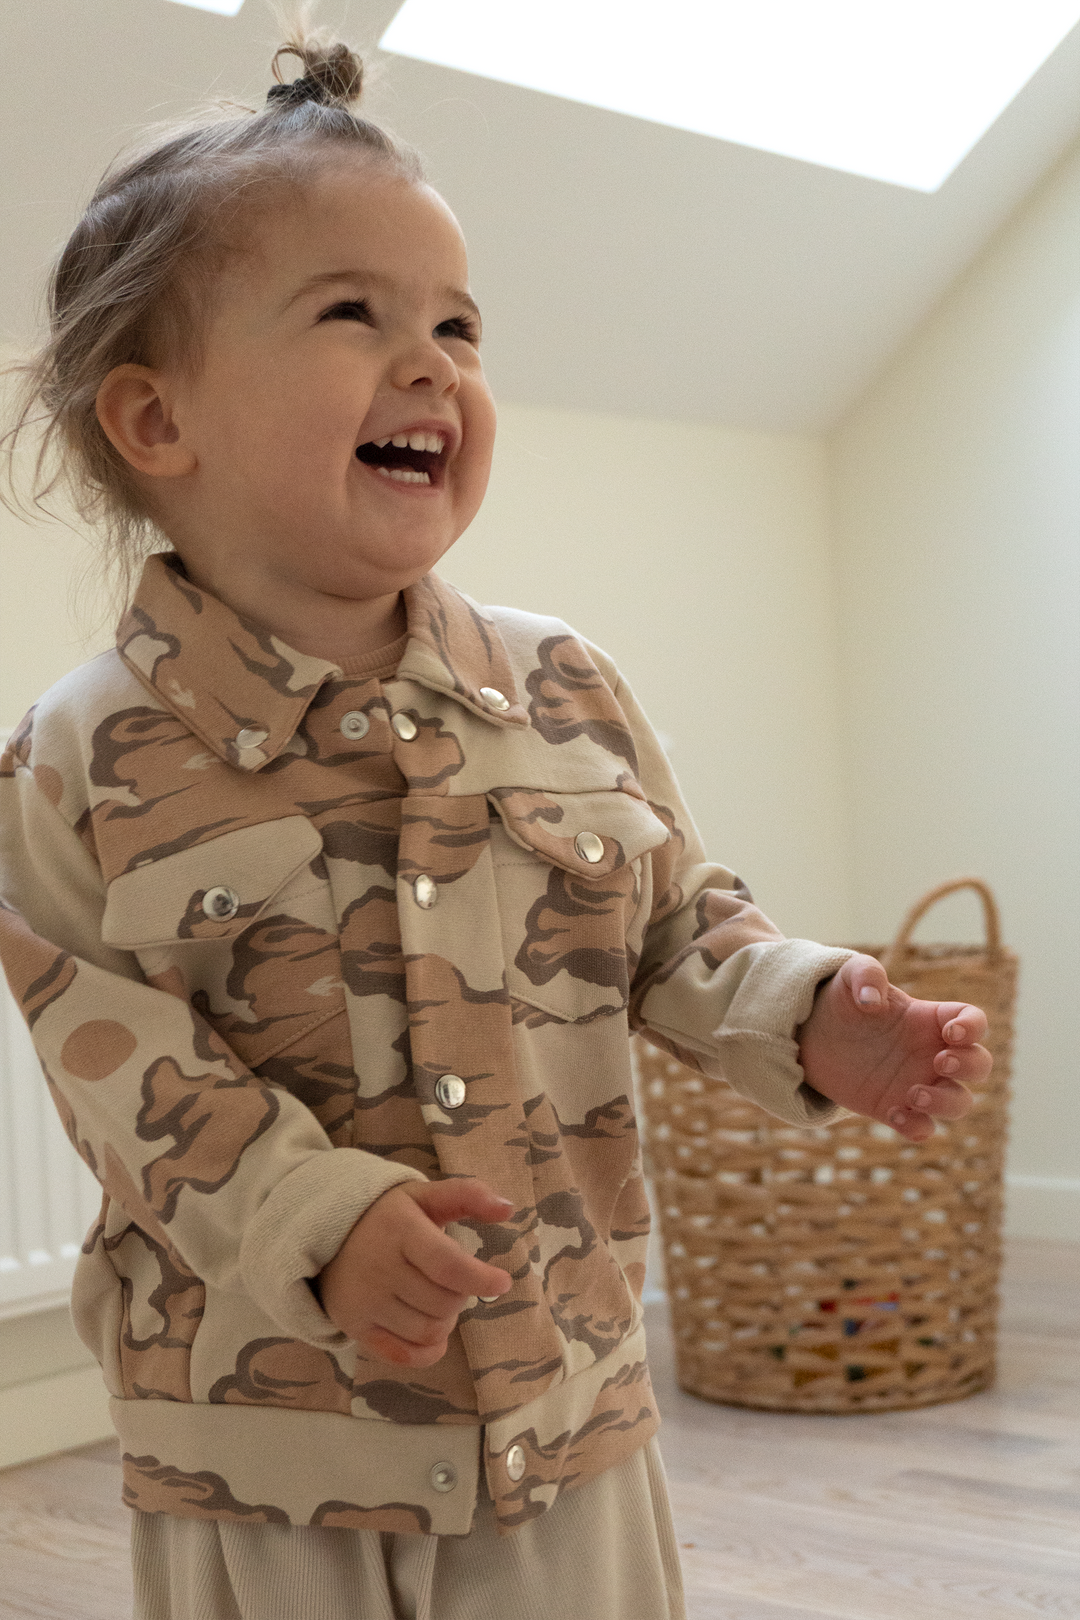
point(300, 1227)
point(758, 1052)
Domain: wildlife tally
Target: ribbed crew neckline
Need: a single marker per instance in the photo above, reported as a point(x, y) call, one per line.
point(377, 665)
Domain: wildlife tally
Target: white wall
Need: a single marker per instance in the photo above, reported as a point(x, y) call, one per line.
point(52, 616)
point(957, 487)
point(47, 623)
point(699, 558)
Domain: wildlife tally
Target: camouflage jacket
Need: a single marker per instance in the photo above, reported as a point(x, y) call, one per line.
point(288, 933)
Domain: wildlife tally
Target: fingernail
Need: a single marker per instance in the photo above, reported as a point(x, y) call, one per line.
point(869, 996)
point(921, 1098)
point(955, 1032)
point(897, 1117)
point(949, 1065)
point(507, 1203)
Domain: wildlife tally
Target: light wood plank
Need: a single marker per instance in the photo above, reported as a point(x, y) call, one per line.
point(816, 1558)
point(946, 1513)
point(64, 1536)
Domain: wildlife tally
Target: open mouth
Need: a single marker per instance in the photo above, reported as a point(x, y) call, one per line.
point(406, 458)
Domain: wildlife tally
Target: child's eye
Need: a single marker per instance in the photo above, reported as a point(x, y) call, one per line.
point(354, 309)
point(461, 326)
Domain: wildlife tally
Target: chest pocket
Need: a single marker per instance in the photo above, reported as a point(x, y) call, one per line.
point(567, 871)
point(212, 890)
point(243, 927)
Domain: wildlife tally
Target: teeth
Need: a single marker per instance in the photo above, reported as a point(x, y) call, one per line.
point(431, 442)
point(403, 475)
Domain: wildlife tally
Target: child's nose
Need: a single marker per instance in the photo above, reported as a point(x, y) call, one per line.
point(426, 365)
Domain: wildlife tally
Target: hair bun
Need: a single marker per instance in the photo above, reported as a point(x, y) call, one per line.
point(333, 75)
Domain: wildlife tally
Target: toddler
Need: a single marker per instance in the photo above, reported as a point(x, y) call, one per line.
point(331, 897)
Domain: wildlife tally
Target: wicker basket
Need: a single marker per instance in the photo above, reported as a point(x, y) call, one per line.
point(843, 1269)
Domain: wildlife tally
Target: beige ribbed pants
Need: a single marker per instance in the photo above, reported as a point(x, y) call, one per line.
point(605, 1551)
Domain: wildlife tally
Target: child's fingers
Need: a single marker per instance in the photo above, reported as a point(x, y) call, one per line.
point(394, 1316)
point(388, 1347)
point(916, 1126)
point(961, 1024)
point(945, 1099)
point(969, 1064)
point(445, 1263)
point(438, 1257)
point(867, 981)
point(459, 1199)
point(418, 1291)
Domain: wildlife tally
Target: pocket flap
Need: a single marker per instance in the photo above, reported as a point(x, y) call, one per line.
point(588, 834)
point(212, 890)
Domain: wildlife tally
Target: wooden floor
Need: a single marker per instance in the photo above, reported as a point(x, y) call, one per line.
point(962, 1512)
point(968, 1511)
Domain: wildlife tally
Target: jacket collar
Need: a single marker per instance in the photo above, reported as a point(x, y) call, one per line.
point(243, 691)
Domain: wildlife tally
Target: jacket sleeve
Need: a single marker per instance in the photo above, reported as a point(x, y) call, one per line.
point(234, 1176)
point(717, 985)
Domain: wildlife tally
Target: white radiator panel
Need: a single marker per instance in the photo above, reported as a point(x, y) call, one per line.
point(48, 1198)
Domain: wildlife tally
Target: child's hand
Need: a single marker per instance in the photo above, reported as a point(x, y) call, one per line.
point(398, 1284)
point(873, 1049)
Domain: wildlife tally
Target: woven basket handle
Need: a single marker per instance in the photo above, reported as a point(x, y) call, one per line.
point(902, 942)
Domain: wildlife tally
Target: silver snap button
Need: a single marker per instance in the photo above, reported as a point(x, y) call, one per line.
point(515, 1462)
point(220, 904)
point(443, 1476)
point(450, 1091)
point(354, 725)
point(494, 698)
point(425, 892)
point(405, 726)
point(251, 737)
point(589, 847)
point(487, 1299)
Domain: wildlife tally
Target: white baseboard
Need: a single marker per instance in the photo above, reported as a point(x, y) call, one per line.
point(1043, 1207)
point(53, 1414)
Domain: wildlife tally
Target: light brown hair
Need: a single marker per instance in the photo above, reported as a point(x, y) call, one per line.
point(133, 284)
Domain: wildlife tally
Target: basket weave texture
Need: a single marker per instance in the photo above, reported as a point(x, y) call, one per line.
point(842, 1269)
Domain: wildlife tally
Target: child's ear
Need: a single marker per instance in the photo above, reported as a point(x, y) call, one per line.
point(135, 410)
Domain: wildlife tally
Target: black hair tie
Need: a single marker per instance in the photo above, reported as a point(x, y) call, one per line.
point(295, 94)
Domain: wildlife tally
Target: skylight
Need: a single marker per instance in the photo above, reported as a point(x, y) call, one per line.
point(225, 8)
point(888, 91)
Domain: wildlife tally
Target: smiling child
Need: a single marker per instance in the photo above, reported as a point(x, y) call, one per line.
point(331, 899)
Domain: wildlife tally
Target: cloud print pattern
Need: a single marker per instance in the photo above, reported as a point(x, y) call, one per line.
point(259, 911)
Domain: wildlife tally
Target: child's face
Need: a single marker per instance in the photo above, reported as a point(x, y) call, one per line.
point(348, 324)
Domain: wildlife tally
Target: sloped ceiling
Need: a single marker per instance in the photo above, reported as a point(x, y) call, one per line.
point(621, 266)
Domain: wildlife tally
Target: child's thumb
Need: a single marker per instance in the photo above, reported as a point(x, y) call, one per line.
point(867, 981)
point(459, 1200)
